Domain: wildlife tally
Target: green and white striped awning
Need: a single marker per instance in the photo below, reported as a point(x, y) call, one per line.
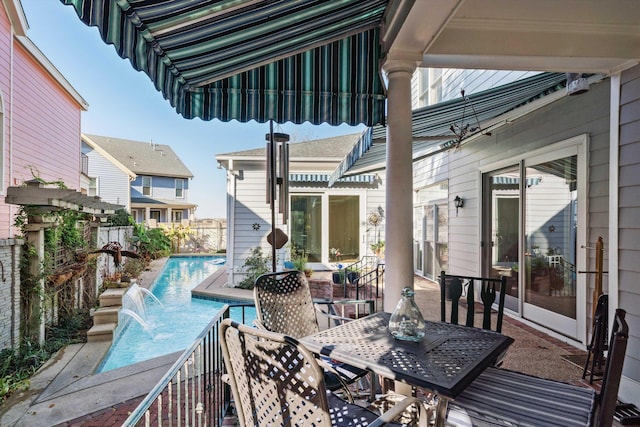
point(323, 178)
point(431, 125)
point(290, 61)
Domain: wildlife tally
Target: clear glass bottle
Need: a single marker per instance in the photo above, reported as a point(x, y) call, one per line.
point(406, 322)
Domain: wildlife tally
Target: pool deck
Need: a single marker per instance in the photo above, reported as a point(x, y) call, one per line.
point(65, 389)
point(65, 392)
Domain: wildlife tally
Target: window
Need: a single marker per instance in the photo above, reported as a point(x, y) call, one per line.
point(177, 216)
point(435, 85)
point(146, 185)
point(179, 188)
point(337, 237)
point(93, 187)
point(154, 214)
point(431, 230)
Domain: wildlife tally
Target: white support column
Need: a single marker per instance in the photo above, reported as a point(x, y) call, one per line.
point(399, 183)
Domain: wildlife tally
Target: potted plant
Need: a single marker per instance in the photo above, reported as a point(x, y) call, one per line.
point(378, 248)
point(299, 262)
point(338, 276)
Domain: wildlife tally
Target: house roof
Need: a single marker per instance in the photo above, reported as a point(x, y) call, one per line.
point(143, 158)
point(334, 148)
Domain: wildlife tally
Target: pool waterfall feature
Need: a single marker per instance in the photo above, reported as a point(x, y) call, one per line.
point(166, 318)
point(133, 308)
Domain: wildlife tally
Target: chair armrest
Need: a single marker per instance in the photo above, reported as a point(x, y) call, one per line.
point(397, 410)
point(338, 316)
point(329, 368)
point(258, 324)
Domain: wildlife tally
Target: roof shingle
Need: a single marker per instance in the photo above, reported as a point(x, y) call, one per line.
point(143, 158)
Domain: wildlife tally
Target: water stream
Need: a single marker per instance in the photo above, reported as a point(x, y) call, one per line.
point(173, 318)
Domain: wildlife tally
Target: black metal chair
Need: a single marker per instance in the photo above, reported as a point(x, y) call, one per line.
point(598, 345)
point(459, 289)
point(507, 398)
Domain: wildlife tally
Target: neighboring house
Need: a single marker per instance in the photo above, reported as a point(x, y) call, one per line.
point(328, 224)
point(160, 186)
point(39, 125)
point(107, 178)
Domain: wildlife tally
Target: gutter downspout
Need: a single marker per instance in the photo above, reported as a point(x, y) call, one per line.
point(231, 211)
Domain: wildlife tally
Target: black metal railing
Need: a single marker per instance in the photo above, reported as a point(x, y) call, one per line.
point(562, 279)
point(364, 279)
point(192, 392)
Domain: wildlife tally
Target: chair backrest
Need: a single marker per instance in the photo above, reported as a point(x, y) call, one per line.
point(462, 288)
point(613, 369)
point(275, 381)
point(284, 304)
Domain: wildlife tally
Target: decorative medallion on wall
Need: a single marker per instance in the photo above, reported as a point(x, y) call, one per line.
point(256, 226)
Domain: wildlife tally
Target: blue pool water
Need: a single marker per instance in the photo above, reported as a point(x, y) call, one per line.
point(174, 325)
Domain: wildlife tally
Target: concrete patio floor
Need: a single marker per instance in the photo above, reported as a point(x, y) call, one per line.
point(64, 392)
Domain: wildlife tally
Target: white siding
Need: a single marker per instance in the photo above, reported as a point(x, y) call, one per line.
point(250, 207)
point(629, 224)
point(113, 183)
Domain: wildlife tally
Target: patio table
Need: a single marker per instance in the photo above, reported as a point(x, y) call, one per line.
point(445, 361)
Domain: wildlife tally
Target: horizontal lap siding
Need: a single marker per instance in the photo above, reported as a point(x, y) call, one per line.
point(5, 108)
point(250, 208)
point(629, 215)
point(566, 118)
point(46, 125)
point(113, 183)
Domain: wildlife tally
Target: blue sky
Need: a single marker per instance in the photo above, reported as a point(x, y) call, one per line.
point(123, 103)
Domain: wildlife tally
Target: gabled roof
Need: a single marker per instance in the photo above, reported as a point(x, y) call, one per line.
point(91, 143)
point(334, 148)
point(143, 158)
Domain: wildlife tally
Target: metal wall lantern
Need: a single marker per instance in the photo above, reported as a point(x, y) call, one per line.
point(458, 203)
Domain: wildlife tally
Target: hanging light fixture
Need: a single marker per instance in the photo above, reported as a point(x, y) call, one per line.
point(458, 202)
point(576, 84)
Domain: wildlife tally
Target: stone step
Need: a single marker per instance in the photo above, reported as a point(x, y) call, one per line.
point(112, 297)
point(99, 333)
point(105, 315)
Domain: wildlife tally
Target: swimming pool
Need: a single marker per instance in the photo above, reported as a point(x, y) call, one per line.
point(173, 325)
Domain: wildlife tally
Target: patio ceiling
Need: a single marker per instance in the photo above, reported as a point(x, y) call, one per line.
point(582, 36)
point(285, 60)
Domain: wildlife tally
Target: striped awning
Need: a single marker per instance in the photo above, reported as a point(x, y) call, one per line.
point(290, 61)
point(431, 125)
point(323, 178)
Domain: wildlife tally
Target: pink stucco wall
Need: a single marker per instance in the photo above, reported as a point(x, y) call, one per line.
point(41, 126)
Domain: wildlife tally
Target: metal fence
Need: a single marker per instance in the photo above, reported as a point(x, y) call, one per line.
point(364, 279)
point(192, 393)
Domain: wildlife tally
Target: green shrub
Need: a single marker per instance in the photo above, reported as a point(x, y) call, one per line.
point(18, 365)
point(255, 265)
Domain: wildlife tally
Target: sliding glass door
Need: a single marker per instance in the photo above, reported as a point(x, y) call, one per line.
point(532, 227)
point(551, 223)
point(502, 227)
point(326, 228)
